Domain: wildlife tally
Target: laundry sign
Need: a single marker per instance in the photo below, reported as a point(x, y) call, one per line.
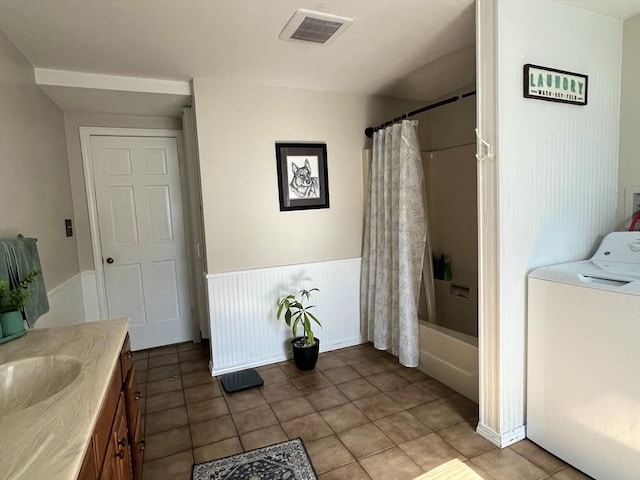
point(543, 83)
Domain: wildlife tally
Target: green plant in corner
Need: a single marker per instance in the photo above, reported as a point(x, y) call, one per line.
point(297, 313)
point(16, 298)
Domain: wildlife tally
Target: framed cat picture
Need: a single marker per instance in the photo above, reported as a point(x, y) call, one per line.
point(303, 182)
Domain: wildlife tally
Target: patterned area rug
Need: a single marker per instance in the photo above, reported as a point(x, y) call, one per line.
point(282, 461)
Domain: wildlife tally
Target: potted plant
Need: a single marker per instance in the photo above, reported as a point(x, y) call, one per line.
point(296, 313)
point(12, 302)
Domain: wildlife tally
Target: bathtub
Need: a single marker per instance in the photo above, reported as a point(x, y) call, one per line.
point(450, 357)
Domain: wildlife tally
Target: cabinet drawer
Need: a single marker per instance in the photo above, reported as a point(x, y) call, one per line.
point(126, 356)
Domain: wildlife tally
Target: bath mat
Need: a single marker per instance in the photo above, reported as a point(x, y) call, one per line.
point(282, 461)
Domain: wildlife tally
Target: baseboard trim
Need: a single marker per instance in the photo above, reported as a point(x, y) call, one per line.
point(281, 358)
point(501, 440)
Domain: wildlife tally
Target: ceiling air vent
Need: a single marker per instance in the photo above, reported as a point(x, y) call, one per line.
point(315, 27)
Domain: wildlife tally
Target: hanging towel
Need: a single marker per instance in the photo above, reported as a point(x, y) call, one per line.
point(18, 258)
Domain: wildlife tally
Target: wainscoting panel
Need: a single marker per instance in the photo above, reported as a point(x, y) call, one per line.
point(242, 309)
point(66, 305)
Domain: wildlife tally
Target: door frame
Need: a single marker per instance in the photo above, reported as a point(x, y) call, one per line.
point(87, 162)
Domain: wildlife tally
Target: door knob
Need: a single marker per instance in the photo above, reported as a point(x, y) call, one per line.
point(109, 260)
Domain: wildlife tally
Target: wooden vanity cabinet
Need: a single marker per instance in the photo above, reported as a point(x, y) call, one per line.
point(116, 448)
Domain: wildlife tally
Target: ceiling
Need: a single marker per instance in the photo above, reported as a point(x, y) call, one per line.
point(417, 49)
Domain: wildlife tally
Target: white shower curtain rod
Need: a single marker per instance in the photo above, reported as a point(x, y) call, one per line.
point(370, 130)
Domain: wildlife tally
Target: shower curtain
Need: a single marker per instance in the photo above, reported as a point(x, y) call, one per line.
point(395, 244)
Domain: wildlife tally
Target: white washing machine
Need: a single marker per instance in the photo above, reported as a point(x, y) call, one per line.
point(583, 360)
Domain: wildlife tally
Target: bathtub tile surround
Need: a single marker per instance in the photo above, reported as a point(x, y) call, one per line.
point(361, 415)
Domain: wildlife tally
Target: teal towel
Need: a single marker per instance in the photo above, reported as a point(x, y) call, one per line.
point(18, 258)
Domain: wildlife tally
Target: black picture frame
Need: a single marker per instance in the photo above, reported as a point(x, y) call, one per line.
point(303, 182)
point(553, 85)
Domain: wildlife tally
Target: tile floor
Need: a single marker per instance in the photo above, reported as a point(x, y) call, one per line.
point(360, 414)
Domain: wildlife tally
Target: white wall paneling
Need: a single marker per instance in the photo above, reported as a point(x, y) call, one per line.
point(242, 306)
point(66, 304)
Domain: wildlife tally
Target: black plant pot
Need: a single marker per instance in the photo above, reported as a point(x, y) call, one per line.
point(305, 357)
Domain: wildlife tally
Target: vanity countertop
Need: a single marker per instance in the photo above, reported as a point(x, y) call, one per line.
point(48, 440)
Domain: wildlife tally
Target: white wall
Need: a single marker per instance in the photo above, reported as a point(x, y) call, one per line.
point(629, 171)
point(238, 126)
point(448, 126)
point(557, 163)
point(34, 177)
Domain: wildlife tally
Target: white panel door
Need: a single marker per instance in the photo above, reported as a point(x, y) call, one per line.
point(137, 183)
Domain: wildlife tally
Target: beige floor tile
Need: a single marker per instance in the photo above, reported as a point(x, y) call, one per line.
point(402, 427)
point(140, 354)
point(174, 467)
point(341, 374)
point(212, 431)
point(186, 346)
point(387, 381)
point(326, 398)
point(166, 420)
point(276, 392)
point(254, 419)
point(328, 361)
point(410, 396)
point(163, 360)
point(328, 453)
point(197, 378)
point(359, 388)
point(141, 363)
point(344, 417)
point(163, 372)
point(431, 451)
point(352, 354)
point(436, 415)
point(169, 384)
point(263, 437)
point(377, 406)
point(245, 400)
point(195, 354)
point(570, 473)
point(370, 366)
point(434, 388)
point(411, 375)
point(311, 383)
point(191, 366)
point(505, 464)
point(392, 463)
point(464, 438)
point(290, 369)
point(200, 393)
point(156, 403)
point(292, 408)
point(538, 456)
point(365, 440)
point(207, 410)
point(272, 375)
point(167, 443)
point(160, 351)
point(352, 471)
point(461, 405)
point(309, 428)
point(221, 449)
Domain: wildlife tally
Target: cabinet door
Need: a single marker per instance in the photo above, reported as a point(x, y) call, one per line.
point(137, 450)
point(88, 469)
point(132, 396)
point(117, 462)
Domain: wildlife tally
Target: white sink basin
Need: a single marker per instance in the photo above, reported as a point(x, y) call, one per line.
point(25, 383)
